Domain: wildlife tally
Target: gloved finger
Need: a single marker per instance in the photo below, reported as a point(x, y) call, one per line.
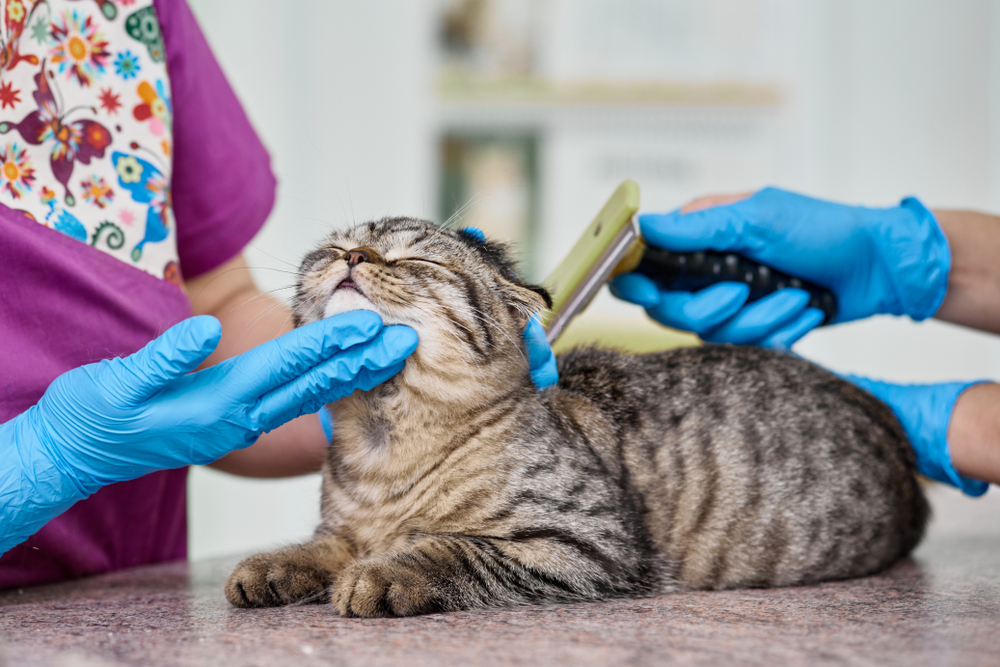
point(700, 311)
point(474, 233)
point(718, 228)
point(761, 318)
point(178, 351)
point(536, 342)
point(365, 381)
point(369, 379)
point(789, 335)
point(325, 420)
point(541, 361)
point(336, 377)
point(636, 288)
point(546, 375)
point(290, 356)
point(714, 228)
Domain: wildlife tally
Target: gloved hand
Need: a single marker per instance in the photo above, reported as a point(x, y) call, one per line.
point(891, 261)
point(924, 411)
point(123, 418)
point(540, 358)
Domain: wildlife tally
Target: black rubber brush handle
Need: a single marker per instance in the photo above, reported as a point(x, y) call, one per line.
point(692, 271)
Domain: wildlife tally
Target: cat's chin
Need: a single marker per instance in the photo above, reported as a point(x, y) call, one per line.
point(346, 300)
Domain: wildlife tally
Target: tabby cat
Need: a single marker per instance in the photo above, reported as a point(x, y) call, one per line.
point(457, 485)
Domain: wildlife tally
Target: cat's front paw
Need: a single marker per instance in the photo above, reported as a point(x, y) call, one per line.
point(276, 579)
point(383, 588)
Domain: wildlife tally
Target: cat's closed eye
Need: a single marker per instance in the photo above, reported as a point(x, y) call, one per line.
point(421, 260)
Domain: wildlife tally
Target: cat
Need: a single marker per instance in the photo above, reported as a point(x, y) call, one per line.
point(456, 485)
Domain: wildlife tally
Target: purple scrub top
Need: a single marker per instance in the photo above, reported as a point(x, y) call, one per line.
point(64, 303)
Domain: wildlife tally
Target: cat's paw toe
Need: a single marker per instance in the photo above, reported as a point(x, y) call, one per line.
point(370, 590)
point(270, 580)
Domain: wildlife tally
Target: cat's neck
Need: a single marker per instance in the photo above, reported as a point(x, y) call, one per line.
point(409, 423)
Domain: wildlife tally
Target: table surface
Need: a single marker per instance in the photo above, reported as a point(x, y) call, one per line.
point(942, 607)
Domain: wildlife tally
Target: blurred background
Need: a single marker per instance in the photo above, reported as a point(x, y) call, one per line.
point(521, 117)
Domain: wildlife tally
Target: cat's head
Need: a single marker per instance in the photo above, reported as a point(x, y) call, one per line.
point(457, 290)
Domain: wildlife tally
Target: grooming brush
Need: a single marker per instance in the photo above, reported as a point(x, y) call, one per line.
point(612, 245)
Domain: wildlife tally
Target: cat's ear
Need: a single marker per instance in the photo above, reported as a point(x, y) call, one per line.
point(525, 299)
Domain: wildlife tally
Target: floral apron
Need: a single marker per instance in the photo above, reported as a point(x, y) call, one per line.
point(85, 126)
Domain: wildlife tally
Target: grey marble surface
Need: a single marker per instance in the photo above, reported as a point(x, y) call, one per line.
point(942, 607)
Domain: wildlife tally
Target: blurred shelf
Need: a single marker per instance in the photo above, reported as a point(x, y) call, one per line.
point(463, 88)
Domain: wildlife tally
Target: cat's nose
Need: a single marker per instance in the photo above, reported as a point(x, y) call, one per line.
point(356, 256)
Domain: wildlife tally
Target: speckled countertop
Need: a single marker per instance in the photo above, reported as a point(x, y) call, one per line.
point(940, 608)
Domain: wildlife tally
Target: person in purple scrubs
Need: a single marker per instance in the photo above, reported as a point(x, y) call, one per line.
point(130, 182)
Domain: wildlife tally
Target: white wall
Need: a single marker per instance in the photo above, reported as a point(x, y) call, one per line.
point(897, 100)
point(994, 112)
point(882, 99)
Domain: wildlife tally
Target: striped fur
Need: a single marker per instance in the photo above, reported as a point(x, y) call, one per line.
point(456, 485)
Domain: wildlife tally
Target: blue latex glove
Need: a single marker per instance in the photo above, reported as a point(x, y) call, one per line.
point(540, 358)
point(924, 411)
point(889, 261)
point(123, 418)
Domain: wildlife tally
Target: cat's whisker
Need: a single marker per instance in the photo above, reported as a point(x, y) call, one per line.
point(277, 259)
point(273, 268)
point(499, 327)
point(263, 314)
point(490, 320)
point(350, 199)
point(462, 210)
point(262, 295)
point(456, 217)
point(461, 343)
point(478, 371)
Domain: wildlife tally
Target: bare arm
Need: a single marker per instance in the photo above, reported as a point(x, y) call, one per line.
point(974, 433)
point(973, 297)
point(248, 319)
point(973, 300)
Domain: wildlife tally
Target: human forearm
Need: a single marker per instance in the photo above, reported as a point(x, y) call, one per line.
point(927, 413)
point(974, 433)
point(297, 448)
point(973, 296)
point(248, 319)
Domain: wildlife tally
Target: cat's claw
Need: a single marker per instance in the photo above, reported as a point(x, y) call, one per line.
point(372, 590)
point(274, 580)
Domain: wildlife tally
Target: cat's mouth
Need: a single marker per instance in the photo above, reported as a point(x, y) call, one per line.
point(348, 284)
point(347, 295)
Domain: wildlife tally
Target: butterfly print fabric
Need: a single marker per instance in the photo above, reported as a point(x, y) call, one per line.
point(85, 126)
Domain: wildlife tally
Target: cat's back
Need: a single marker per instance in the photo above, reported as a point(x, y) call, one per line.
point(755, 468)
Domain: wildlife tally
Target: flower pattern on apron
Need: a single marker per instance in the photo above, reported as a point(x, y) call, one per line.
point(85, 126)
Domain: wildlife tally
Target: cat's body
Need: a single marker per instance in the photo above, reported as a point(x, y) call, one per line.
point(456, 485)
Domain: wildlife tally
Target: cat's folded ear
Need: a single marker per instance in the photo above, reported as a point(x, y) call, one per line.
point(525, 299)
